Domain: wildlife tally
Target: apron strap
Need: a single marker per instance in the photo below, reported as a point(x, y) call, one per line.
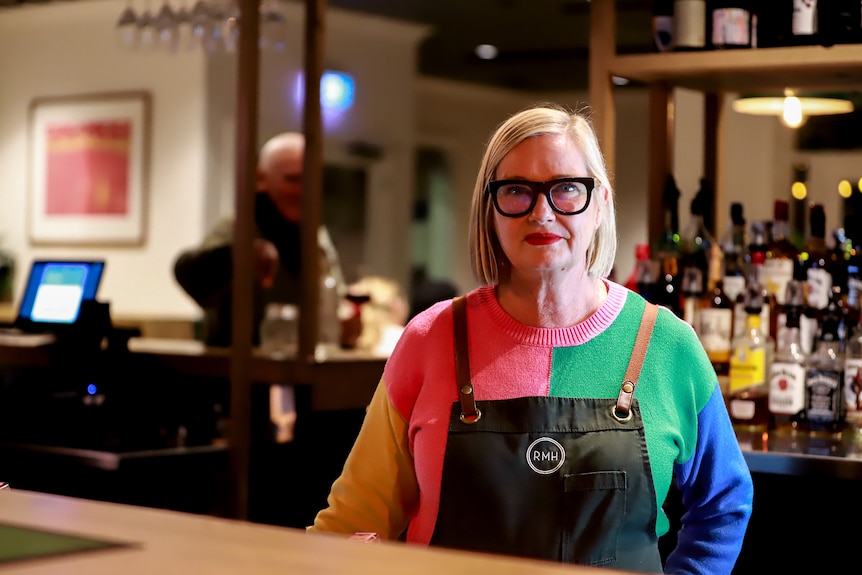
point(469, 412)
point(622, 410)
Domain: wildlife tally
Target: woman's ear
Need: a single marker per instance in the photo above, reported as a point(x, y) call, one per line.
point(603, 197)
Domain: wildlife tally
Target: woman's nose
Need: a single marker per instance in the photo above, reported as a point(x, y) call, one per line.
point(542, 211)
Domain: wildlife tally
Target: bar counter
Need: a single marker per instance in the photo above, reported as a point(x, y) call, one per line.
point(338, 380)
point(167, 542)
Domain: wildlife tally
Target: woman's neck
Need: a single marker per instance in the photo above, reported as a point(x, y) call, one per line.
point(549, 305)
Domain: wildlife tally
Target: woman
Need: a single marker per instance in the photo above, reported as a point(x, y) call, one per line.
point(541, 446)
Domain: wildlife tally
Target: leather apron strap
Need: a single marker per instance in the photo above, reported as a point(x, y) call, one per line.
point(469, 412)
point(622, 411)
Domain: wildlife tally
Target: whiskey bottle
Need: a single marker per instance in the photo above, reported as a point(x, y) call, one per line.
point(714, 325)
point(824, 381)
point(734, 244)
point(780, 254)
point(787, 374)
point(750, 364)
point(818, 269)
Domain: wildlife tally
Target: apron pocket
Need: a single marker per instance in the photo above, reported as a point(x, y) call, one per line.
point(594, 507)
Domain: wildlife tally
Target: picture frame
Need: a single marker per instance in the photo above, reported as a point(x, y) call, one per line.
point(88, 169)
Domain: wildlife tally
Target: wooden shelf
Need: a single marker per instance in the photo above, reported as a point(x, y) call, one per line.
point(763, 69)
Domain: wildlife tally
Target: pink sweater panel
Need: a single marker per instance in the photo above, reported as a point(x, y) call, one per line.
point(507, 360)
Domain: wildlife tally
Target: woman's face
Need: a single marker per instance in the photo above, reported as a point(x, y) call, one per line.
point(544, 241)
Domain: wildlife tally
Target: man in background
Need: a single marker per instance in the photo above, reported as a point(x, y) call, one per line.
point(205, 272)
point(282, 491)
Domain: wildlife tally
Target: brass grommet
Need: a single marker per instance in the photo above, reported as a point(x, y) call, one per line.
point(471, 419)
point(621, 418)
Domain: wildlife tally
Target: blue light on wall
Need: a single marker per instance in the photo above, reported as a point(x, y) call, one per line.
point(336, 91)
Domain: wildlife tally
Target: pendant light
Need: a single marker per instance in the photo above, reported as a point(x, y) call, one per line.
point(792, 108)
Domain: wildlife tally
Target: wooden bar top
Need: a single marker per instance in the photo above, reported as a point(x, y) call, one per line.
point(169, 542)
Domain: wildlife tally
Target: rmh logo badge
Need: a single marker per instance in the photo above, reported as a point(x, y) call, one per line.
point(545, 455)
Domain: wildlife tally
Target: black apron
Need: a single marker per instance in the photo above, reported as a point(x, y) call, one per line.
point(557, 478)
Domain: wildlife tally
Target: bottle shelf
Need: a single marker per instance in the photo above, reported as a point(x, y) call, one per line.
point(760, 69)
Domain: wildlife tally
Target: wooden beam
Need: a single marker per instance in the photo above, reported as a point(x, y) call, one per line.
point(603, 38)
point(312, 182)
point(243, 271)
point(661, 113)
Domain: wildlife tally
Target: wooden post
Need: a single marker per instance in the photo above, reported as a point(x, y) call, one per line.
point(312, 182)
point(713, 110)
point(243, 271)
point(661, 113)
point(603, 39)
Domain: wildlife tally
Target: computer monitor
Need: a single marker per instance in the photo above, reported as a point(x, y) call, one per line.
point(54, 293)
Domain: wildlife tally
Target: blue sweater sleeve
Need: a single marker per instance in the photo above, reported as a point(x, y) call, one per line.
point(717, 494)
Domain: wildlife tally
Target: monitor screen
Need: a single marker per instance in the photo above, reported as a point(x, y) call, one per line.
point(55, 290)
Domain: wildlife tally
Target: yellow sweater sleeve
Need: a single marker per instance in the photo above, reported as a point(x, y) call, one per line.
point(377, 490)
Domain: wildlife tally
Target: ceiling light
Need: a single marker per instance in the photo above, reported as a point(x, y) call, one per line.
point(793, 109)
point(486, 51)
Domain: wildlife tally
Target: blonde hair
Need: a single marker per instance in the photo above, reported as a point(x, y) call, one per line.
point(490, 265)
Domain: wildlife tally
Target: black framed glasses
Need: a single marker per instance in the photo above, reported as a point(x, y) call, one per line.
point(516, 198)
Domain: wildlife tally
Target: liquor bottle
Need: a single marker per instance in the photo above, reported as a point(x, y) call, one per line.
point(803, 26)
point(668, 290)
point(787, 374)
point(701, 258)
point(853, 380)
point(750, 365)
point(780, 254)
point(824, 382)
point(643, 276)
point(689, 19)
point(731, 24)
point(662, 25)
point(734, 244)
point(774, 21)
point(818, 266)
point(755, 258)
point(714, 328)
point(839, 21)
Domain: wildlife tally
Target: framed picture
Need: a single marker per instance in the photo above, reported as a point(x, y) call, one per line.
point(88, 169)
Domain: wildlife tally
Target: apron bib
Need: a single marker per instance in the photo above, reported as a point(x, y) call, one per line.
point(556, 478)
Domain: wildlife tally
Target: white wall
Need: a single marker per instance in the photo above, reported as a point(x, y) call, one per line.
point(69, 49)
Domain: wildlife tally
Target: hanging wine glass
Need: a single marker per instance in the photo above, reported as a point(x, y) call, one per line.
point(127, 27)
point(199, 18)
point(165, 24)
point(185, 34)
point(230, 26)
point(272, 25)
point(146, 30)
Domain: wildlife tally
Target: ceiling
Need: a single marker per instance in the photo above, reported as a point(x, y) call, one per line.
point(543, 44)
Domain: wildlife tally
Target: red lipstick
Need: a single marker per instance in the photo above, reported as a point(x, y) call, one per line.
point(542, 239)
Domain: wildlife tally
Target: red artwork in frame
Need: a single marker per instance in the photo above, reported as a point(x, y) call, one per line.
point(87, 171)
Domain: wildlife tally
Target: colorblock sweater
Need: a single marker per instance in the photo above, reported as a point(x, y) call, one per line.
point(392, 476)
